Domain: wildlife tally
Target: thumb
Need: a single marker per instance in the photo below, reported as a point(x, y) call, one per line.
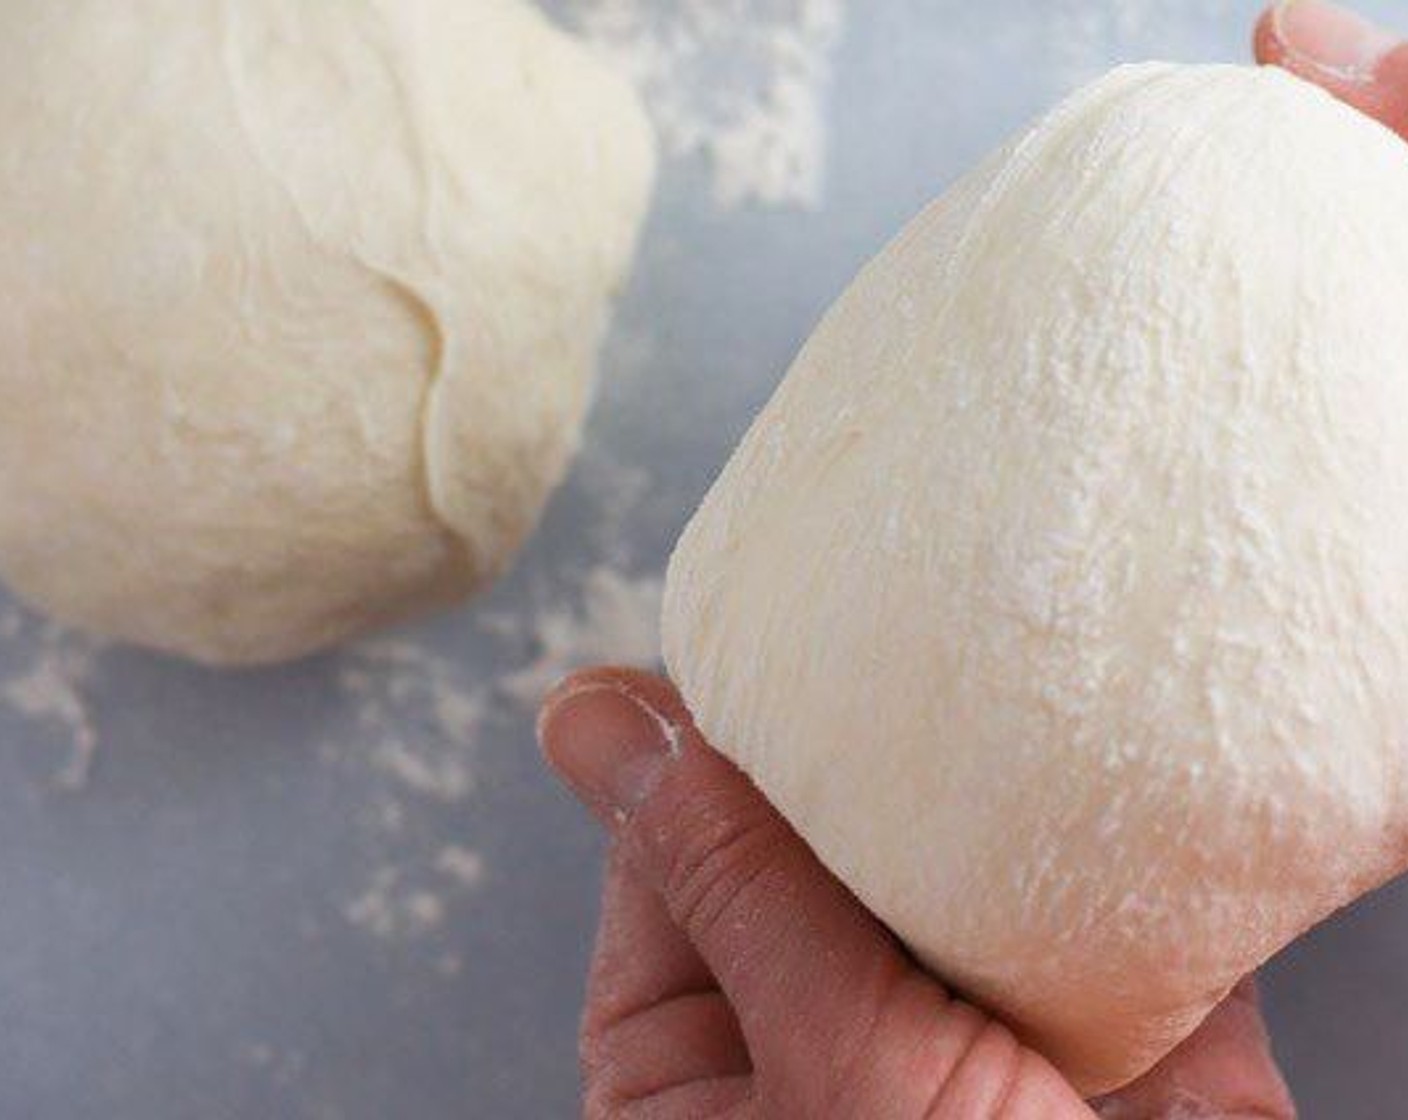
point(792, 950)
point(1355, 59)
point(837, 1019)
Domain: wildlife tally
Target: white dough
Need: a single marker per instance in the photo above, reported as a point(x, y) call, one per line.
point(1060, 596)
point(299, 304)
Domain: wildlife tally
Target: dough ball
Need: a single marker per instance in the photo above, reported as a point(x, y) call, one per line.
point(1060, 596)
point(300, 305)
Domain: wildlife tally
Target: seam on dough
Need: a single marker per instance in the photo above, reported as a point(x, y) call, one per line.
point(423, 310)
point(404, 291)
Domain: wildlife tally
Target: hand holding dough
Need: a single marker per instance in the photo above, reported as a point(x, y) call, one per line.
point(1060, 596)
point(301, 305)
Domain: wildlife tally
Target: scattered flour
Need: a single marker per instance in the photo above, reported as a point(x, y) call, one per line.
point(742, 82)
point(49, 690)
point(616, 622)
point(411, 904)
point(404, 693)
point(615, 492)
point(418, 718)
point(462, 865)
point(388, 909)
point(446, 779)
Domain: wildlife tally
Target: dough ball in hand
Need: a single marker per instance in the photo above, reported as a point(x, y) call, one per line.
point(299, 305)
point(1060, 596)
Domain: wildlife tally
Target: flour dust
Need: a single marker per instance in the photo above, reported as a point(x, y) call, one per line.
point(45, 687)
point(741, 83)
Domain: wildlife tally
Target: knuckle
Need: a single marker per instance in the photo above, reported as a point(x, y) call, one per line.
point(989, 1067)
point(715, 857)
point(597, 1104)
point(605, 1051)
point(592, 1049)
point(600, 1089)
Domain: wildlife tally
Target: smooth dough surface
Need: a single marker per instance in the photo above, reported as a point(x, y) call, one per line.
point(1060, 596)
point(299, 305)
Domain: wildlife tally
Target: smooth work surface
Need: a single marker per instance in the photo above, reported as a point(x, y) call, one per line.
point(346, 889)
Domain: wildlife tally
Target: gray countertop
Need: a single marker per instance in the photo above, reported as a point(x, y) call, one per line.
point(347, 889)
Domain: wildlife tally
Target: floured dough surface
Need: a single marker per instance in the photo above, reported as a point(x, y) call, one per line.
point(1060, 596)
point(301, 305)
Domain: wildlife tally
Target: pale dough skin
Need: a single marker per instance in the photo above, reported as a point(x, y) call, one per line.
point(301, 304)
point(1060, 596)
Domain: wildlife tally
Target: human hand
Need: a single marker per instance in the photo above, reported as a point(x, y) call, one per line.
point(735, 977)
point(1357, 61)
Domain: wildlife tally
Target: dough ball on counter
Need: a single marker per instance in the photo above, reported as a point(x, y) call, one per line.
point(1060, 596)
point(299, 305)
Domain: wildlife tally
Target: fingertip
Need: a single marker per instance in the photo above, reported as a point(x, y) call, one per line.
point(647, 688)
point(1331, 39)
point(1267, 47)
point(601, 676)
point(1360, 62)
point(1334, 47)
point(606, 740)
point(560, 694)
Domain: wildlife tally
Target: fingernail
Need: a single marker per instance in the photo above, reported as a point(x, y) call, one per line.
point(608, 745)
point(1332, 39)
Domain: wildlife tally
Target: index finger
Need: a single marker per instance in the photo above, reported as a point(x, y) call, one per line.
point(1358, 61)
point(1225, 1069)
